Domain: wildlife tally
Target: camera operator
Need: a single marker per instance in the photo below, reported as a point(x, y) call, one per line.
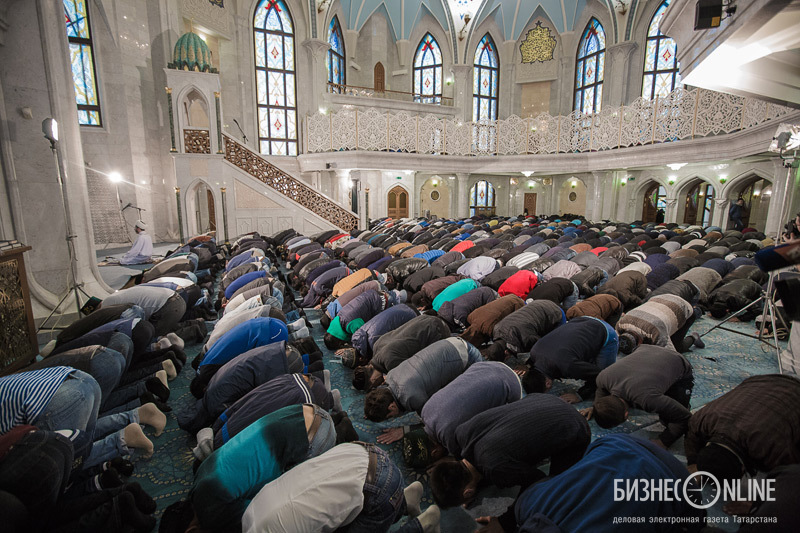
point(792, 229)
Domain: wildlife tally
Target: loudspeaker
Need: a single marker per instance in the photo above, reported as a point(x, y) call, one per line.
point(708, 14)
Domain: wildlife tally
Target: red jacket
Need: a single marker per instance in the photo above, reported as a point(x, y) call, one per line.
point(520, 283)
point(463, 246)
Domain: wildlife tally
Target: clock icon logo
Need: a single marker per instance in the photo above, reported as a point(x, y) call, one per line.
point(701, 490)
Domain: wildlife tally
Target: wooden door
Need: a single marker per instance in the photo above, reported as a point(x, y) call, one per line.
point(648, 206)
point(529, 204)
point(692, 205)
point(397, 202)
point(379, 78)
point(212, 212)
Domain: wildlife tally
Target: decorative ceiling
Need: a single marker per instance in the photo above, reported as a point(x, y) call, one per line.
point(511, 15)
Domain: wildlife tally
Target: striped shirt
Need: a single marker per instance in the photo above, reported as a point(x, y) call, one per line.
point(657, 319)
point(24, 396)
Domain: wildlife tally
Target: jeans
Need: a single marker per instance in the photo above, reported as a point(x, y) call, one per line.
point(608, 353)
point(325, 437)
point(572, 299)
point(384, 500)
point(133, 311)
point(473, 355)
point(679, 339)
point(167, 317)
point(75, 405)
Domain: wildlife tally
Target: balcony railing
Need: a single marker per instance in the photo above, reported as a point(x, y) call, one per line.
point(369, 92)
point(683, 114)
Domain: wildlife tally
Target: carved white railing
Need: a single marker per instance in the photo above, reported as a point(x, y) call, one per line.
point(683, 114)
point(291, 187)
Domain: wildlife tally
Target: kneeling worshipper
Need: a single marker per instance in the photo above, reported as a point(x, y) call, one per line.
point(142, 249)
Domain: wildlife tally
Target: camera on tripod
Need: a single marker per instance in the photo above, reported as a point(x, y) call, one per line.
point(792, 231)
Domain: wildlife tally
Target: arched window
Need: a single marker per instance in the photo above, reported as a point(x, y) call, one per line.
point(428, 71)
point(336, 66)
point(481, 199)
point(661, 66)
point(275, 79)
point(589, 66)
point(699, 204)
point(81, 54)
point(485, 81)
point(655, 204)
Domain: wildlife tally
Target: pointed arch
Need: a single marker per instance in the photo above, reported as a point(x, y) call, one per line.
point(589, 68)
point(427, 82)
point(485, 80)
point(276, 87)
point(661, 68)
point(337, 68)
point(379, 78)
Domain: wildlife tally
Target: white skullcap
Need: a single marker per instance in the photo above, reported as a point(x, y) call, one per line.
point(140, 224)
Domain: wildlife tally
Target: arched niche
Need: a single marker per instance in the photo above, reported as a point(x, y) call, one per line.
point(572, 197)
point(756, 192)
point(696, 203)
point(201, 208)
point(653, 202)
point(434, 196)
point(194, 122)
point(397, 202)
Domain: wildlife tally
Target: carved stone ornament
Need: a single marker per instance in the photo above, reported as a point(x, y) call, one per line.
point(538, 46)
point(209, 13)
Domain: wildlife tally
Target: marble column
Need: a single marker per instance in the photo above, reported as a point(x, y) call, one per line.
point(671, 212)
point(462, 192)
point(319, 77)
point(618, 60)
point(462, 90)
point(775, 218)
point(720, 217)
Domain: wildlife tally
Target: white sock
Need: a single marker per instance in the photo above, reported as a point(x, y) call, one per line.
point(175, 340)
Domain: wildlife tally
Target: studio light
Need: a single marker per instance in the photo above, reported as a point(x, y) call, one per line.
point(115, 177)
point(50, 129)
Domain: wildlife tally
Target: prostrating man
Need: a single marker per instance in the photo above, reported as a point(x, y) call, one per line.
point(414, 381)
point(353, 487)
point(661, 321)
point(505, 445)
point(750, 429)
point(652, 378)
point(579, 349)
point(582, 498)
point(520, 330)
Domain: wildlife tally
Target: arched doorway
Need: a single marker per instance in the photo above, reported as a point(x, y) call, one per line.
point(379, 78)
point(201, 206)
point(397, 202)
point(654, 205)
point(482, 199)
point(699, 204)
point(756, 193)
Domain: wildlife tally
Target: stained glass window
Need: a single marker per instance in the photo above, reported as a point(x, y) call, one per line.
point(485, 80)
point(661, 65)
point(481, 198)
point(275, 78)
point(589, 67)
point(428, 71)
point(81, 53)
point(336, 66)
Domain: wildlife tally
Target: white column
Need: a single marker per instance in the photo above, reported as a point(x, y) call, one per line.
point(463, 191)
point(720, 217)
point(775, 218)
point(462, 90)
point(618, 69)
point(671, 212)
point(319, 77)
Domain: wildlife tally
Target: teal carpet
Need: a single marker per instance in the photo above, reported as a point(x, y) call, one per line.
point(727, 359)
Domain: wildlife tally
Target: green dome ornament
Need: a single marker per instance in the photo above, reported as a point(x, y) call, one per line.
point(191, 53)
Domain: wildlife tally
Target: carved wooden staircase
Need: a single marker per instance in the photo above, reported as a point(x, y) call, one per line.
point(259, 168)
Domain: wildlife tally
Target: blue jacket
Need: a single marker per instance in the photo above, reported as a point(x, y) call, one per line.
point(246, 336)
point(241, 281)
point(365, 337)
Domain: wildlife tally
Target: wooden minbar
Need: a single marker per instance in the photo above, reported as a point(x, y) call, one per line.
point(18, 344)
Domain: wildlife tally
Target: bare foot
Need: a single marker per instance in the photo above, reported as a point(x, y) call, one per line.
point(571, 397)
point(149, 414)
point(162, 377)
point(169, 368)
point(134, 437)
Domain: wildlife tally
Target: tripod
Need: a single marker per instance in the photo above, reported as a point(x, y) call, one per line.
point(768, 299)
point(73, 287)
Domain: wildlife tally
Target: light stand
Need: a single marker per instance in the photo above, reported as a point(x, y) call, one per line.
point(50, 130)
point(782, 142)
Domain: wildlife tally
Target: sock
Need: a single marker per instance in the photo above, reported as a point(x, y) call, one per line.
point(316, 366)
point(126, 504)
point(413, 495)
point(144, 502)
point(174, 340)
point(149, 397)
point(155, 386)
point(108, 479)
point(337, 400)
point(429, 520)
point(122, 466)
point(697, 340)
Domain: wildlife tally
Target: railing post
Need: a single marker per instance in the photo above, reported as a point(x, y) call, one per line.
point(621, 115)
point(694, 115)
point(330, 128)
point(444, 138)
point(528, 135)
point(356, 128)
point(744, 107)
point(388, 144)
point(558, 138)
point(417, 122)
point(655, 118)
point(591, 132)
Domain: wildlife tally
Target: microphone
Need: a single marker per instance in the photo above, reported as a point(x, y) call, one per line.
point(244, 136)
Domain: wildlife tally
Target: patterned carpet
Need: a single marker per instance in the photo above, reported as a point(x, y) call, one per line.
point(725, 362)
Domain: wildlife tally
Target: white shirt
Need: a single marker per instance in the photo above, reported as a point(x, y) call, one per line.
point(141, 251)
point(180, 282)
point(321, 494)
